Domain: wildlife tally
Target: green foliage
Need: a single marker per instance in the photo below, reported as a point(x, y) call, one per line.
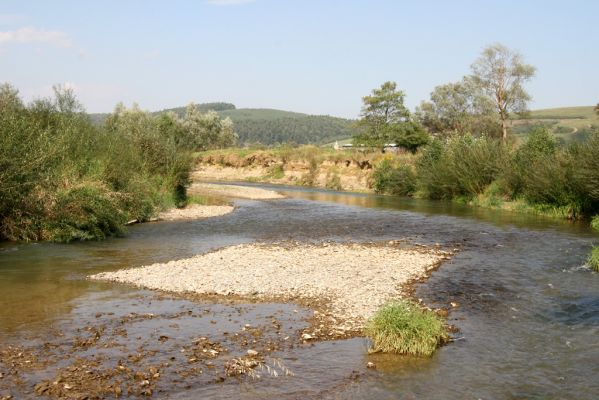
point(500, 74)
point(270, 127)
point(459, 108)
point(385, 106)
point(64, 178)
point(595, 222)
point(385, 120)
point(586, 159)
point(85, 212)
point(539, 149)
point(207, 130)
point(410, 135)
point(396, 180)
point(334, 181)
point(276, 171)
point(463, 166)
point(593, 259)
point(403, 327)
point(309, 178)
point(302, 129)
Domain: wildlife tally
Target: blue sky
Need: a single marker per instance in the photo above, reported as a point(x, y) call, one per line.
point(310, 56)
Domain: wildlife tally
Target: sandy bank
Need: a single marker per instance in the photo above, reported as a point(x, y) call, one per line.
point(194, 211)
point(351, 178)
point(346, 283)
point(241, 192)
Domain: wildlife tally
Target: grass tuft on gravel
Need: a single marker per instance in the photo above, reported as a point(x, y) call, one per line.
point(403, 327)
point(593, 260)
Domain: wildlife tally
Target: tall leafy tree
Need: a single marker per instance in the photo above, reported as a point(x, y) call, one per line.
point(500, 73)
point(385, 119)
point(458, 108)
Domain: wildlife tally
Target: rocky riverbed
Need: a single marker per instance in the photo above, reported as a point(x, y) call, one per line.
point(344, 283)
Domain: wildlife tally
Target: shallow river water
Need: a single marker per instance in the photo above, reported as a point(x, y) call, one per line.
point(527, 307)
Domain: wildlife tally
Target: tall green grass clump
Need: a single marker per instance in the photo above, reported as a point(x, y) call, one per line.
point(593, 259)
point(403, 327)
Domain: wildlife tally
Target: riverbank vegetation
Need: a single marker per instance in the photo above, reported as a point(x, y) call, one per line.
point(537, 177)
point(403, 327)
point(63, 178)
point(472, 159)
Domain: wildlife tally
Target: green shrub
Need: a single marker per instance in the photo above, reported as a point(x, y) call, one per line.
point(539, 148)
point(63, 178)
point(433, 178)
point(405, 328)
point(83, 213)
point(595, 223)
point(309, 178)
point(463, 166)
point(276, 171)
point(387, 178)
point(593, 259)
point(586, 157)
point(333, 181)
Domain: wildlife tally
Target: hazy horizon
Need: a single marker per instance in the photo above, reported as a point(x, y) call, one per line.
point(311, 57)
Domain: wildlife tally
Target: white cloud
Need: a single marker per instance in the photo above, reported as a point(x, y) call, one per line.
point(34, 35)
point(228, 2)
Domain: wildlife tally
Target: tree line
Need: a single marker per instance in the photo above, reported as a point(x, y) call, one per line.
point(482, 103)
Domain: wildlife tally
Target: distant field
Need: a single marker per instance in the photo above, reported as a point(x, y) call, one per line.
point(568, 123)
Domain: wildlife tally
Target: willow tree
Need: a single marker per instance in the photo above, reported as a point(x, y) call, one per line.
point(459, 107)
point(501, 73)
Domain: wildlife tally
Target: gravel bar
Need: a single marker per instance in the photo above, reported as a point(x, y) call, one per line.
point(194, 211)
point(351, 280)
point(241, 192)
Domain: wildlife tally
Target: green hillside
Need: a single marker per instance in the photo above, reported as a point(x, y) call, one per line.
point(257, 114)
point(269, 126)
point(568, 123)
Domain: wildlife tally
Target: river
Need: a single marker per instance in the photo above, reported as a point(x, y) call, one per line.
point(526, 307)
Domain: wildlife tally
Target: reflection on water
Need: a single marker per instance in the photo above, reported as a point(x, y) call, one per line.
point(528, 311)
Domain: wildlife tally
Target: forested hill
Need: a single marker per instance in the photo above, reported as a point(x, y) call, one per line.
point(269, 126)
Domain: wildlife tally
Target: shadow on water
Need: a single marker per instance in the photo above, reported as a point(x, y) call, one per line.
point(526, 306)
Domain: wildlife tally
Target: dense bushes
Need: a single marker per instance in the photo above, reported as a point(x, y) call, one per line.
point(398, 180)
point(462, 166)
point(541, 173)
point(63, 178)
